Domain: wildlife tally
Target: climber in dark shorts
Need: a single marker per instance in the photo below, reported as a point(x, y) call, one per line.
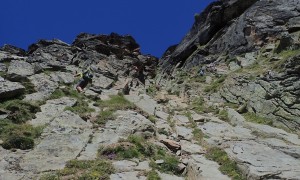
point(86, 78)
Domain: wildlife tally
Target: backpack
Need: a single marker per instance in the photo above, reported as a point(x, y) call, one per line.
point(87, 75)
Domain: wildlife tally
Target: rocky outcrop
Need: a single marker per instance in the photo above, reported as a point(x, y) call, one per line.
point(19, 70)
point(259, 39)
point(273, 96)
point(234, 27)
point(10, 89)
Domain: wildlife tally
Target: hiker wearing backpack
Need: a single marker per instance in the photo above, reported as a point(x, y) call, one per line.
point(86, 78)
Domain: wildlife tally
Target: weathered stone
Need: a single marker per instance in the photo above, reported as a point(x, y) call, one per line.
point(62, 77)
point(198, 117)
point(129, 122)
point(52, 109)
point(201, 168)
point(99, 138)
point(3, 67)
point(283, 146)
point(184, 133)
point(144, 102)
point(61, 141)
point(10, 89)
point(43, 83)
point(102, 82)
point(164, 176)
point(172, 145)
point(159, 161)
point(19, 70)
point(260, 161)
point(124, 166)
point(190, 148)
point(233, 66)
point(181, 120)
point(161, 115)
point(127, 175)
point(143, 166)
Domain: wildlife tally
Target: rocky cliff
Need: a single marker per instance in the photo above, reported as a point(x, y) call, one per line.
point(222, 104)
point(253, 44)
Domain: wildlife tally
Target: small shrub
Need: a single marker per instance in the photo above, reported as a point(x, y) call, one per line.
point(153, 175)
point(29, 87)
point(198, 134)
point(223, 114)
point(227, 166)
point(18, 136)
point(151, 90)
point(169, 166)
point(76, 169)
point(198, 105)
point(214, 87)
point(152, 118)
point(104, 116)
point(81, 108)
point(117, 102)
point(163, 131)
point(18, 143)
point(20, 111)
point(49, 177)
point(252, 117)
point(137, 147)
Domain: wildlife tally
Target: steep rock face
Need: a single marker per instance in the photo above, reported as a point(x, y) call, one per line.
point(234, 27)
point(274, 96)
point(253, 46)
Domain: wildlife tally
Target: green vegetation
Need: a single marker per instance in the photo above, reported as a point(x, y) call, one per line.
point(252, 117)
point(75, 169)
point(67, 91)
point(81, 107)
point(163, 131)
point(198, 134)
point(3, 74)
point(14, 131)
point(198, 79)
point(227, 166)
point(223, 114)
point(29, 87)
point(214, 87)
point(151, 90)
point(104, 116)
point(137, 147)
point(152, 118)
point(117, 102)
point(199, 106)
point(20, 111)
point(285, 55)
point(153, 175)
point(20, 136)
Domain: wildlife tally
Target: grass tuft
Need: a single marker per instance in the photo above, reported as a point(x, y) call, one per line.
point(137, 147)
point(77, 169)
point(227, 166)
point(252, 117)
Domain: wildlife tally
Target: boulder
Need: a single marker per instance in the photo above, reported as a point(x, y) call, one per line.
point(258, 161)
point(61, 141)
point(3, 67)
point(10, 89)
point(102, 82)
point(19, 70)
point(201, 168)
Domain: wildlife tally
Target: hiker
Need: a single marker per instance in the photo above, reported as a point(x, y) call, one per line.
point(86, 77)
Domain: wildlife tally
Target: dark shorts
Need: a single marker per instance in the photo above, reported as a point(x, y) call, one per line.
point(82, 83)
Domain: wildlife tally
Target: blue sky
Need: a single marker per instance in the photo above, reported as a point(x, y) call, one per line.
point(155, 24)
